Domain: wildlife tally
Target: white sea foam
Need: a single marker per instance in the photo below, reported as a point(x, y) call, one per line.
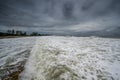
point(15, 50)
point(72, 58)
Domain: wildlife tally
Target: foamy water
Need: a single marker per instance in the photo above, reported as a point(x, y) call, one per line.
point(13, 53)
point(72, 58)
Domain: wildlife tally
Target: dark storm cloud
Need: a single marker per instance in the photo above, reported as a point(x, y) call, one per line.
point(59, 15)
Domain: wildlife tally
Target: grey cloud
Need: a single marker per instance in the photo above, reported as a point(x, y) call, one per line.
point(56, 14)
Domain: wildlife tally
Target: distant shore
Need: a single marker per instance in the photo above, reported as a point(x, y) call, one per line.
point(4, 37)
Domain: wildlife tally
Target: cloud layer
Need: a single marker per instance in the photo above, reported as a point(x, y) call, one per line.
point(59, 16)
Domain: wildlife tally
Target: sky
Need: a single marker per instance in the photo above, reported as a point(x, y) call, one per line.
point(60, 16)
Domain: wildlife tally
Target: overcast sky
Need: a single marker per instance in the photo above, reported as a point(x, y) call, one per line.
point(59, 16)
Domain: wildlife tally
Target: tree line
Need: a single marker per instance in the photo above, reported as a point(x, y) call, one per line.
point(20, 33)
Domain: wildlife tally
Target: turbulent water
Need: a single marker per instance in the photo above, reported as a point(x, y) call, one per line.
point(13, 53)
point(73, 58)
